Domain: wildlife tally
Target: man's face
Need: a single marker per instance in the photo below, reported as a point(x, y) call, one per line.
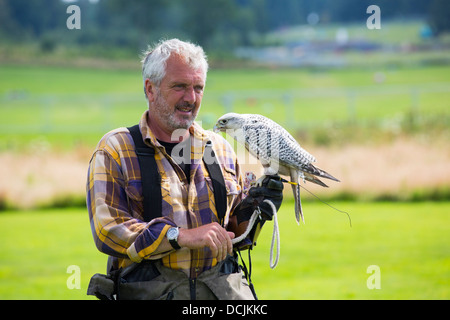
point(175, 104)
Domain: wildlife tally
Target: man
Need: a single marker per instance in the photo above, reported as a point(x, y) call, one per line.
point(186, 252)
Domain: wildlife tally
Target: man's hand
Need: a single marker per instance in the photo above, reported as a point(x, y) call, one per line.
point(212, 235)
point(271, 189)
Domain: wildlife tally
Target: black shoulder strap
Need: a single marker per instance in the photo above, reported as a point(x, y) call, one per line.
point(151, 180)
point(220, 192)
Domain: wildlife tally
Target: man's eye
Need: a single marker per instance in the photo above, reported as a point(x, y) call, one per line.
point(198, 88)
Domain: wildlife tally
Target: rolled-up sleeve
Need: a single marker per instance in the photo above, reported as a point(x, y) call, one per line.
point(116, 230)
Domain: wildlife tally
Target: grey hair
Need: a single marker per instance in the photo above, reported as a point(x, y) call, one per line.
point(154, 59)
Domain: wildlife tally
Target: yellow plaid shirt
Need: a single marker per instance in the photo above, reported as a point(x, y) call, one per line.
point(115, 201)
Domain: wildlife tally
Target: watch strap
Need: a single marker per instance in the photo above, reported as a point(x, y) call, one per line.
point(174, 244)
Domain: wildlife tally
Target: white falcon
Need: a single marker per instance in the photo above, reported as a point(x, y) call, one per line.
point(276, 149)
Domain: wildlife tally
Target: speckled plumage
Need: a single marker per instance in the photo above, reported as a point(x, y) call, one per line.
point(275, 148)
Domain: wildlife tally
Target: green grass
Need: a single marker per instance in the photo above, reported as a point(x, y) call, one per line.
point(326, 259)
point(68, 80)
point(392, 32)
point(67, 105)
point(323, 259)
point(39, 246)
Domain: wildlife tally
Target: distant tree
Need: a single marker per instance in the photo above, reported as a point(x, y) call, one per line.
point(439, 16)
point(205, 18)
point(8, 25)
point(31, 18)
point(218, 25)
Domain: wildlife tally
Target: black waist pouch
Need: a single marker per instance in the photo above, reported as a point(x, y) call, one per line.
point(144, 271)
point(107, 287)
point(102, 286)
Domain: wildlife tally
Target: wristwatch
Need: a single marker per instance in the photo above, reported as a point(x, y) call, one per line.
point(172, 236)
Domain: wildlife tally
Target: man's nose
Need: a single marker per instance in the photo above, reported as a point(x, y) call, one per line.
point(189, 95)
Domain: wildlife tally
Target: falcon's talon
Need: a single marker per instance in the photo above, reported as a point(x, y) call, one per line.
point(258, 183)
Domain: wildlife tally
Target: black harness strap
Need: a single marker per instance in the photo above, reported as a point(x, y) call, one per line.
point(151, 180)
point(218, 183)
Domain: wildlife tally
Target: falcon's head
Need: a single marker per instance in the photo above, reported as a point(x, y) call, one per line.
point(229, 121)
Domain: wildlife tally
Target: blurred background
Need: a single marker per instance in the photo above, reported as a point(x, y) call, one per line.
point(372, 104)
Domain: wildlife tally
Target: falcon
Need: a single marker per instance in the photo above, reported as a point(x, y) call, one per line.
point(278, 152)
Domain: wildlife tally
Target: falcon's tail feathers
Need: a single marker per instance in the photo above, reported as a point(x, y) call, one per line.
point(298, 204)
point(318, 172)
point(295, 177)
point(313, 179)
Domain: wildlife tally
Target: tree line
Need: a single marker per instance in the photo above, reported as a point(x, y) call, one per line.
point(219, 25)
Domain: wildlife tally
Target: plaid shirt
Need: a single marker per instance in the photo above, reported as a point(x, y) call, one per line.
point(115, 201)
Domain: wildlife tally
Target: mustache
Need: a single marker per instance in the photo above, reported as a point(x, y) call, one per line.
point(185, 105)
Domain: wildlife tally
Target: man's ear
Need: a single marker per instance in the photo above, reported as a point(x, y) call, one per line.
point(150, 90)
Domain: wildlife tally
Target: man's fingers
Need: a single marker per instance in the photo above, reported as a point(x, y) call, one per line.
point(223, 244)
point(215, 241)
point(220, 246)
point(229, 243)
point(224, 239)
point(213, 236)
point(214, 244)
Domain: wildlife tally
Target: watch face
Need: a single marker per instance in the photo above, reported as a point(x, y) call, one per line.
point(172, 233)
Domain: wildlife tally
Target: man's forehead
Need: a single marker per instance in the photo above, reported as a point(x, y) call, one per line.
point(177, 66)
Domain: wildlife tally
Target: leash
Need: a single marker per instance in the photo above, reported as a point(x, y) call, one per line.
point(275, 233)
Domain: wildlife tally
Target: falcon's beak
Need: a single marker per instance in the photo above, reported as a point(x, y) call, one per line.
point(216, 128)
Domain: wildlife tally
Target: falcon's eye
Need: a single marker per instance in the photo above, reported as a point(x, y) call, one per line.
point(224, 121)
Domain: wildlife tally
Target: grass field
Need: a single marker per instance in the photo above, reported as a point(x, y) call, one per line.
point(68, 106)
point(56, 116)
point(323, 259)
point(46, 109)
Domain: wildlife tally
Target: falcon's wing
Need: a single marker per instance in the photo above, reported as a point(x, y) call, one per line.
point(267, 140)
